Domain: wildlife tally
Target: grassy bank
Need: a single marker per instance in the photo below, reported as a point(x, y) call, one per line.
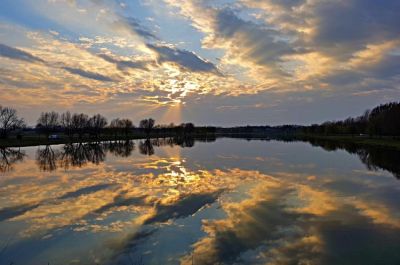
point(387, 142)
point(34, 140)
point(37, 140)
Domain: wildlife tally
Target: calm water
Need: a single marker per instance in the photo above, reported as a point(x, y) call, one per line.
point(230, 201)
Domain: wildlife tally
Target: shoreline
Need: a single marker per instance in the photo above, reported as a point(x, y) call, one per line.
point(28, 141)
point(386, 142)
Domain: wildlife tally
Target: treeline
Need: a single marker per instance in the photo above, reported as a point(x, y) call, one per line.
point(242, 131)
point(80, 125)
point(383, 120)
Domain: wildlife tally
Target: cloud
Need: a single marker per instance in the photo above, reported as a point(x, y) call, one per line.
point(133, 26)
point(337, 48)
point(120, 201)
point(88, 74)
point(283, 42)
point(19, 210)
point(11, 212)
point(85, 191)
point(131, 242)
point(255, 47)
point(183, 58)
point(251, 224)
point(183, 207)
point(349, 26)
point(139, 29)
point(17, 54)
point(287, 4)
point(124, 64)
point(250, 42)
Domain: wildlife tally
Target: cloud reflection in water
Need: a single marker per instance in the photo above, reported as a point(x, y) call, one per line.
point(256, 205)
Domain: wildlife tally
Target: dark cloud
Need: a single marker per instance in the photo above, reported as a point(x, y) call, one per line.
point(268, 225)
point(126, 246)
point(130, 23)
point(14, 211)
point(355, 23)
point(124, 64)
point(85, 191)
point(252, 42)
point(288, 4)
point(359, 234)
point(343, 77)
point(119, 201)
point(253, 226)
point(88, 74)
point(17, 54)
point(339, 29)
point(184, 58)
point(184, 207)
point(18, 210)
point(387, 69)
point(135, 25)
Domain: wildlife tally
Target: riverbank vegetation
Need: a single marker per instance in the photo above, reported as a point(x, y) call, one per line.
point(379, 126)
point(67, 127)
point(382, 121)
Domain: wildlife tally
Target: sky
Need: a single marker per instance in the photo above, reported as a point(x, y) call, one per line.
point(221, 62)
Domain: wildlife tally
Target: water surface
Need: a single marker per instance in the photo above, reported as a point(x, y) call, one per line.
point(230, 201)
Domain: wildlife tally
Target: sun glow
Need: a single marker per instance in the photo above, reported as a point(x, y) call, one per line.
point(173, 113)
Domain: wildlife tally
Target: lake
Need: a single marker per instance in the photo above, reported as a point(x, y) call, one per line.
point(218, 201)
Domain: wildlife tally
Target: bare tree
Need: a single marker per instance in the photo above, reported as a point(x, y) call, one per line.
point(66, 123)
point(9, 121)
point(80, 123)
point(126, 125)
point(96, 124)
point(116, 126)
point(115, 123)
point(188, 128)
point(48, 122)
point(147, 125)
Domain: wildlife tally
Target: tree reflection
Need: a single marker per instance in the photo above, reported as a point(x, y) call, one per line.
point(8, 157)
point(46, 158)
point(121, 148)
point(71, 155)
point(373, 157)
point(146, 147)
point(185, 141)
point(80, 154)
point(382, 159)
